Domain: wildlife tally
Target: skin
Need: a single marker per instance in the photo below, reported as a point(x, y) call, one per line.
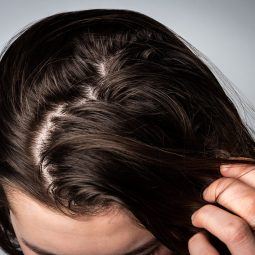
point(116, 233)
point(236, 192)
point(110, 234)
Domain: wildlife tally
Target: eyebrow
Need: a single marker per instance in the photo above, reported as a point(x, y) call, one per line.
point(36, 249)
point(144, 247)
point(153, 243)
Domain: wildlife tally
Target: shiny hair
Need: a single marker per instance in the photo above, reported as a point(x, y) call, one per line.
point(109, 108)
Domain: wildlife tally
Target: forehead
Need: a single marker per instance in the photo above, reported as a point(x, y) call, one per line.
point(24, 207)
point(114, 231)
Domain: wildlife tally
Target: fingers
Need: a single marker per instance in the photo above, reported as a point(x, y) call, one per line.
point(243, 172)
point(237, 195)
point(234, 195)
point(199, 245)
point(235, 191)
point(230, 229)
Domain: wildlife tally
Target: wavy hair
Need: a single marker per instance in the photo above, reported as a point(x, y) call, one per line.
point(109, 108)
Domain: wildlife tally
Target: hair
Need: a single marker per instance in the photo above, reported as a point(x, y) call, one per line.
point(108, 108)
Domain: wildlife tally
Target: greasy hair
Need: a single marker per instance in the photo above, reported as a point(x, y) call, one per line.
point(109, 108)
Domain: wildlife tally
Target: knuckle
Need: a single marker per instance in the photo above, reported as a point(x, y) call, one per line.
point(237, 231)
point(202, 212)
point(199, 244)
point(195, 239)
point(249, 203)
point(220, 185)
point(207, 208)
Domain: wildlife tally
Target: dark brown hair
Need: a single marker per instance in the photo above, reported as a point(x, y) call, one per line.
point(108, 108)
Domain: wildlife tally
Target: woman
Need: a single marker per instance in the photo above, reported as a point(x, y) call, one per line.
point(111, 128)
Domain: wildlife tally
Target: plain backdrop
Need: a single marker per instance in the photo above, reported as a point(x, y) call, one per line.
point(223, 30)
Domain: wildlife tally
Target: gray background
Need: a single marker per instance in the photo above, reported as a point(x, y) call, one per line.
point(223, 30)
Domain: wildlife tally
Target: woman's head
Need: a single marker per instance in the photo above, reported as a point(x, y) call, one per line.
point(39, 229)
point(107, 116)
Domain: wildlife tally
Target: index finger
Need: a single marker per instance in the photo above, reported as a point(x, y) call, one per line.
point(243, 172)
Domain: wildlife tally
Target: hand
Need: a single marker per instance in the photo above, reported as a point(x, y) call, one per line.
point(236, 192)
